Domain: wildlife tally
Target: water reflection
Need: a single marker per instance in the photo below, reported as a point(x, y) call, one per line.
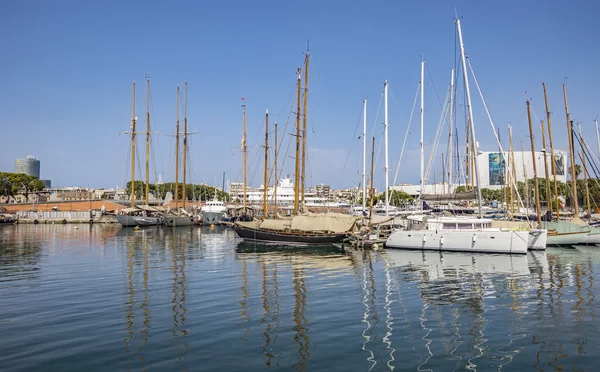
point(121, 299)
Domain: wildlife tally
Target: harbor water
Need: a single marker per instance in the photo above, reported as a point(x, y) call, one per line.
point(105, 298)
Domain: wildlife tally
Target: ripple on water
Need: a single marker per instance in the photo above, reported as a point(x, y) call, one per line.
point(106, 298)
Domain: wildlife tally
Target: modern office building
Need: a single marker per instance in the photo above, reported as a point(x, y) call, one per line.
point(30, 166)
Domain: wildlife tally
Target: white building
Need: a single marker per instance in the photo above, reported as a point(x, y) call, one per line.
point(493, 170)
point(285, 195)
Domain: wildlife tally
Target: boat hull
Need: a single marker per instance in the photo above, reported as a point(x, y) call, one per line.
point(537, 240)
point(179, 221)
point(132, 221)
point(481, 241)
point(212, 218)
point(259, 235)
point(566, 239)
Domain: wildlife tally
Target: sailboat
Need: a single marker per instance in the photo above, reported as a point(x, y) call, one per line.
point(144, 215)
point(566, 233)
point(456, 233)
point(180, 217)
point(303, 229)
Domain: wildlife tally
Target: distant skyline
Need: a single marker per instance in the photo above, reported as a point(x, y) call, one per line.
point(68, 68)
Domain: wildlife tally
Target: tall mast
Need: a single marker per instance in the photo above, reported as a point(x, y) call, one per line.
point(244, 155)
point(371, 189)
point(133, 120)
point(553, 163)
point(385, 134)
point(537, 193)
point(449, 155)
point(512, 171)
point(572, 152)
point(525, 178)
point(472, 127)
point(177, 153)
point(266, 164)
point(585, 175)
point(364, 157)
point(297, 170)
point(275, 170)
point(147, 137)
point(422, 174)
point(548, 192)
point(304, 117)
point(185, 134)
point(597, 135)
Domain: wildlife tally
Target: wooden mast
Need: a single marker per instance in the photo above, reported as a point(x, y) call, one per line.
point(297, 170)
point(533, 160)
point(266, 164)
point(553, 163)
point(548, 193)
point(185, 134)
point(585, 175)
point(304, 117)
point(147, 137)
point(572, 152)
point(371, 189)
point(244, 155)
point(275, 170)
point(133, 120)
point(527, 196)
point(177, 153)
point(513, 171)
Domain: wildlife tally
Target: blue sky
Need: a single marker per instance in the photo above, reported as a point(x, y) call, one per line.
point(68, 66)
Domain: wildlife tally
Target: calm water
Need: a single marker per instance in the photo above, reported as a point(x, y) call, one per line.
point(105, 298)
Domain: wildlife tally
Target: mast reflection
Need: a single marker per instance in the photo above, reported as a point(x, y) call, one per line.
point(178, 308)
point(301, 337)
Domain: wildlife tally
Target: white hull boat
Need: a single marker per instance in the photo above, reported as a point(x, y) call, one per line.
point(458, 234)
point(213, 212)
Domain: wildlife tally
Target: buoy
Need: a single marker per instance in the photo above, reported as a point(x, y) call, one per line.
point(76, 227)
point(137, 228)
point(212, 225)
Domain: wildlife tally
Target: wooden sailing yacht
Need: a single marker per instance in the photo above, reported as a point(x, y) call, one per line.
point(302, 229)
point(144, 215)
point(180, 217)
point(565, 233)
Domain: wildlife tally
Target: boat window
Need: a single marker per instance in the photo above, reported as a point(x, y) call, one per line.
point(449, 225)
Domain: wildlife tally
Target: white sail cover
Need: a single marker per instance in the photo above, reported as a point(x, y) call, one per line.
point(334, 222)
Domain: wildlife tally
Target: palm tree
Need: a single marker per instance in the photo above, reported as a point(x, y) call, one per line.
point(577, 170)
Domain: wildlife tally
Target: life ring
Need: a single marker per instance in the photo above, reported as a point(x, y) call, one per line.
point(35, 222)
point(91, 221)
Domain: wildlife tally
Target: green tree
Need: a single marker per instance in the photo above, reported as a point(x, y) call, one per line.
point(23, 183)
point(577, 171)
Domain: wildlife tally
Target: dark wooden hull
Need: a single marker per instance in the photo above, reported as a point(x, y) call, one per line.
point(271, 236)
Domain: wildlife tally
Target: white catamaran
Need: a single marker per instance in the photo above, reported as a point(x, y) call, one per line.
point(457, 233)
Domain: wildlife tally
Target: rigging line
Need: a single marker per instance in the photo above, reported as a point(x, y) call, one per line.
point(433, 86)
point(377, 115)
point(592, 163)
point(351, 144)
point(438, 136)
point(504, 153)
point(407, 131)
point(375, 126)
